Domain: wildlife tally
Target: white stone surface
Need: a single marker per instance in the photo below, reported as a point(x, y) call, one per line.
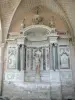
point(52, 84)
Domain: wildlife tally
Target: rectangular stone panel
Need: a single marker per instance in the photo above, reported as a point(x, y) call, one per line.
point(64, 57)
point(29, 76)
point(12, 56)
point(55, 90)
point(55, 85)
point(45, 76)
point(14, 76)
point(54, 76)
point(67, 83)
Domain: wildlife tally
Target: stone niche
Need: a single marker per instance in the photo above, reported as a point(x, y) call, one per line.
point(38, 64)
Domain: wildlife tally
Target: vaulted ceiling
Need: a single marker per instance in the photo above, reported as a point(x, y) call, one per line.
point(65, 8)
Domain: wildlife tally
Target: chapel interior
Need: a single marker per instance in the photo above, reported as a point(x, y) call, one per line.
point(37, 49)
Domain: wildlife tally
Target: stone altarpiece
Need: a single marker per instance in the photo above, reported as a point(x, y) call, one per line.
point(40, 55)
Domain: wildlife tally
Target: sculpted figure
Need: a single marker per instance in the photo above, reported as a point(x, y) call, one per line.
point(37, 60)
point(23, 24)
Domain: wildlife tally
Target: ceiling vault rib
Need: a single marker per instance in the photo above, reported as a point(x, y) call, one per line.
point(66, 16)
point(2, 34)
point(14, 13)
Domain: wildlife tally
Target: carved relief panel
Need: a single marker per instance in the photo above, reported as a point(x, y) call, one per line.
point(12, 57)
point(64, 56)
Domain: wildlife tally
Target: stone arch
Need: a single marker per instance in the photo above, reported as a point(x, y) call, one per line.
point(19, 8)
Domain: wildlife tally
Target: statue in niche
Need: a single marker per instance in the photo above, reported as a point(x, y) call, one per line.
point(37, 19)
point(64, 61)
point(52, 22)
point(23, 24)
point(37, 56)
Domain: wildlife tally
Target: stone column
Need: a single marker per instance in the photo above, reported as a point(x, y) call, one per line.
point(56, 56)
point(53, 56)
point(21, 41)
point(52, 40)
point(22, 57)
point(31, 58)
point(44, 61)
point(18, 58)
point(50, 55)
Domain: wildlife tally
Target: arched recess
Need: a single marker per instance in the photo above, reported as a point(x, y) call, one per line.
point(46, 14)
point(24, 9)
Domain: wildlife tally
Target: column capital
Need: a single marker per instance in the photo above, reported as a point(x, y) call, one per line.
point(21, 40)
point(53, 39)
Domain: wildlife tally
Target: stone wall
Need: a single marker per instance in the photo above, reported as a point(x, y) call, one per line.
point(58, 88)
